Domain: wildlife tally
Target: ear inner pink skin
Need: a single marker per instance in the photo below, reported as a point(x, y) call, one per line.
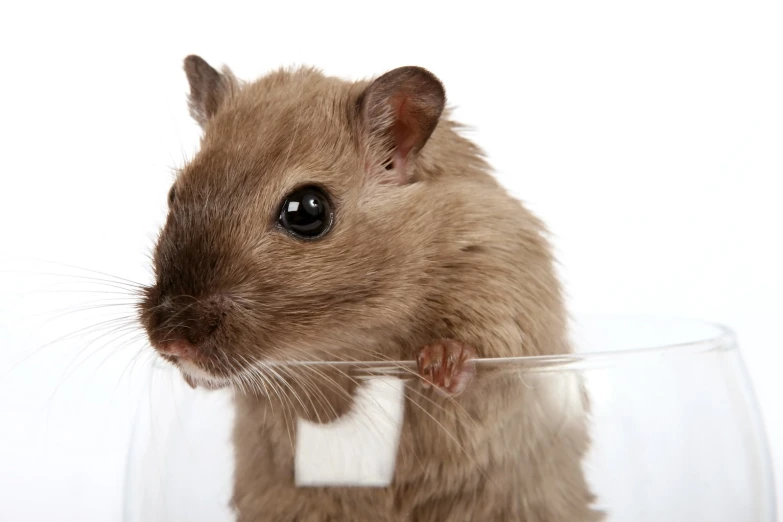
point(403, 106)
point(405, 136)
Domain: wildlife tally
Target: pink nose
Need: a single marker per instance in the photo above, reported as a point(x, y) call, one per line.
point(179, 348)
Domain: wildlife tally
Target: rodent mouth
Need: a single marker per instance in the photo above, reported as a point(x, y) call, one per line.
point(197, 368)
point(195, 376)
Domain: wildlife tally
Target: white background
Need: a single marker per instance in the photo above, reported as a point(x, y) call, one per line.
point(649, 136)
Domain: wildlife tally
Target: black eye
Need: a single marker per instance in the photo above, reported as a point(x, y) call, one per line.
point(306, 213)
point(172, 195)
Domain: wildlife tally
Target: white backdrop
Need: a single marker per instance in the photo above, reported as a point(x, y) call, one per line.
point(648, 136)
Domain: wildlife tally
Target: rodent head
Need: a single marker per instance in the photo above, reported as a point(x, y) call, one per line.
point(297, 231)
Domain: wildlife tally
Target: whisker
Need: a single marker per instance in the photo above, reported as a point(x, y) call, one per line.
point(332, 384)
point(61, 313)
point(281, 396)
point(141, 353)
point(411, 389)
point(258, 383)
point(118, 286)
point(67, 374)
point(237, 377)
point(455, 440)
point(98, 272)
point(416, 376)
point(118, 333)
point(283, 381)
point(111, 323)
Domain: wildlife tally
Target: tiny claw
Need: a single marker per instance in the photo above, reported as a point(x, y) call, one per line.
point(447, 366)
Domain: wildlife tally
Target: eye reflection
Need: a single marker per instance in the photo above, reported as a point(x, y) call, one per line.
point(306, 213)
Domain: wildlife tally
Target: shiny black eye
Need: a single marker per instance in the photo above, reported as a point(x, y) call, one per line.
point(306, 213)
point(172, 195)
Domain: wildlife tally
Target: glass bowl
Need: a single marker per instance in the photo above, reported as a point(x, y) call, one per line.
point(675, 428)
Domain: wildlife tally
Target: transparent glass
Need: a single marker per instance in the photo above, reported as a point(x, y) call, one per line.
point(676, 432)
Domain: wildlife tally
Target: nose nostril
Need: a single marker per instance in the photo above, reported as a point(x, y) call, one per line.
point(182, 326)
point(179, 348)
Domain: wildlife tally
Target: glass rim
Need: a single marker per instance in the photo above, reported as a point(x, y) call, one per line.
point(723, 339)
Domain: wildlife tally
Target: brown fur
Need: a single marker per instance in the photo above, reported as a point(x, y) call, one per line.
point(441, 252)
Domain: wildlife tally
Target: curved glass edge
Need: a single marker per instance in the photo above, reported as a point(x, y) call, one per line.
point(723, 340)
point(132, 456)
point(768, 499)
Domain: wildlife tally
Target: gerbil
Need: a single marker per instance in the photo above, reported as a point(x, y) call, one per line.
point(331, 220)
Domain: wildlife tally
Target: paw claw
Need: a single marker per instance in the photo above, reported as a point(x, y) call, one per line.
point(446, 365)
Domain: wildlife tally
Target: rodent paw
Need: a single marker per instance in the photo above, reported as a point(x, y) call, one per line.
point(446, 366)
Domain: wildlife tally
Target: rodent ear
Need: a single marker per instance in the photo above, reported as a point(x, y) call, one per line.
point(399, 112)
point(208, 88)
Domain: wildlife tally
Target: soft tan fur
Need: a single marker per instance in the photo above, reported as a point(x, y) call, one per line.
point(431, 249)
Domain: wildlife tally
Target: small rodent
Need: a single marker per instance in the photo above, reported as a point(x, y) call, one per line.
point(324, 219)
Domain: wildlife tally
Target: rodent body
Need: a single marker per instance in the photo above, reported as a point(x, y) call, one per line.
point(425, 245)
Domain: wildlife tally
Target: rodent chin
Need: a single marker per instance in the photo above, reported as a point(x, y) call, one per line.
point(195, 377)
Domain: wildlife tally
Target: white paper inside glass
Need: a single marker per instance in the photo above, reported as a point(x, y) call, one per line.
point(360, 448)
